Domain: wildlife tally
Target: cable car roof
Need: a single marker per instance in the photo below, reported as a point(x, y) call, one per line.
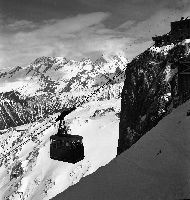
point(66, 137)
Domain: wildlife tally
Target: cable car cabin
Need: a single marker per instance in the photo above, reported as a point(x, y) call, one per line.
point(66, 148)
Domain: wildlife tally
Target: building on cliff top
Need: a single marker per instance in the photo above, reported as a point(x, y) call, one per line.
point(180, 30)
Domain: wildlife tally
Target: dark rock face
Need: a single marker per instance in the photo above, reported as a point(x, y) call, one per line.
point(17, 171)
point(143, 104)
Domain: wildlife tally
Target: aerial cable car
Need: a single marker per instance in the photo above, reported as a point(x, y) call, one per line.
point(65, 147)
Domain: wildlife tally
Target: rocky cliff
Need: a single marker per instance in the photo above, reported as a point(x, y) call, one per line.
point(146, 95)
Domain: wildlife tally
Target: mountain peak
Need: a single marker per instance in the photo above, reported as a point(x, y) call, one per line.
point(48, 59)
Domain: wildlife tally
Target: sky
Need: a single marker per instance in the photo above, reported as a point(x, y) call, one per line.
point(78, 29)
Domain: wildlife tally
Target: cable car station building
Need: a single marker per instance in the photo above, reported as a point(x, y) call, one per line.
point(180, 58)
point(180, 30)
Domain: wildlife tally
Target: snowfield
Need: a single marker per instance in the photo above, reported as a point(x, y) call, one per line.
point(26, 170)
point(156, 167)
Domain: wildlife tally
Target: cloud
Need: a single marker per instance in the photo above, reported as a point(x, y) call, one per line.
point(127, 24)
point(84, 35)
point(157, 24)
point(75, 24)
point(17, 25)
point(74, 38)
point(64, 37)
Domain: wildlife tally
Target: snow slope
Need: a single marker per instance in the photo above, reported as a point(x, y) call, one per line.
point(26, 170)
point(156, 167)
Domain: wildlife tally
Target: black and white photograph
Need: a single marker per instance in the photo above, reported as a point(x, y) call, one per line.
point(94, 99)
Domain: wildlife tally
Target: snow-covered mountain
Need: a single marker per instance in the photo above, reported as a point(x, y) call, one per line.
point(156, 167)
point(57, 74)
point(49, 84)
point(156, 164)
point(32, 98)
point(26, 170)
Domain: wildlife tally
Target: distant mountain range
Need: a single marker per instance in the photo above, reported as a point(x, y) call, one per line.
point(49, 84)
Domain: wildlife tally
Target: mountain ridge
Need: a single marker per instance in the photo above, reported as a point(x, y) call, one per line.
point(49, 84)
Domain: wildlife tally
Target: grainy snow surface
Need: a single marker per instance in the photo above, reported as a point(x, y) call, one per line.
point(157, 167)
